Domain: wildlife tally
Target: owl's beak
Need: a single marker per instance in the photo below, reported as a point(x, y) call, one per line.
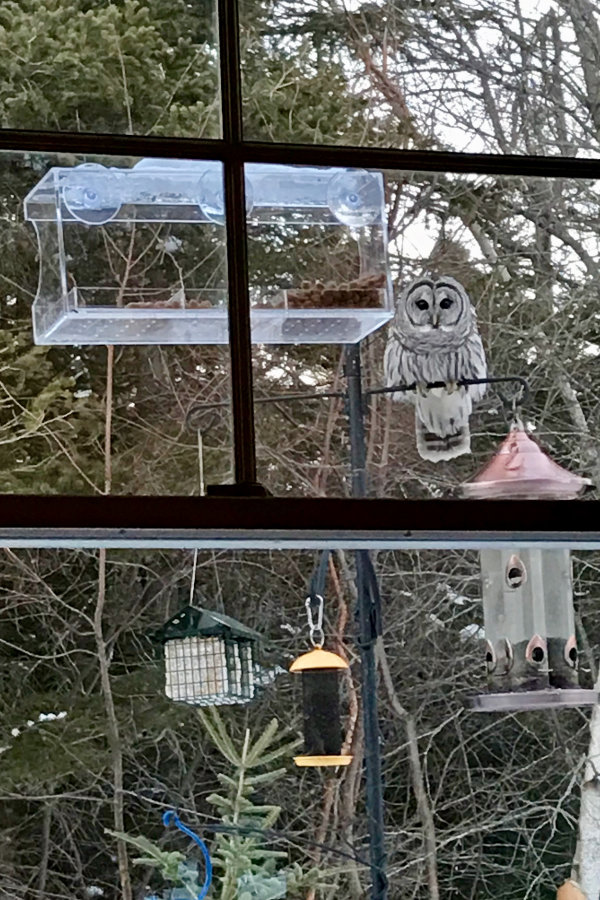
point(436, 321)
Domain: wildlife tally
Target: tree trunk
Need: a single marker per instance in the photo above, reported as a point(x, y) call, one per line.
point(586, 865)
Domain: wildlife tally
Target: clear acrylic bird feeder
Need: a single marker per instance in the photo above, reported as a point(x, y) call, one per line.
point(137, 256)
point(209, 658)
point(530, 650)
point(520, 470)
point(320, 670)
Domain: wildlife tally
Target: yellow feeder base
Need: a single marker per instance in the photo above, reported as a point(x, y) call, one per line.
point(322, 760)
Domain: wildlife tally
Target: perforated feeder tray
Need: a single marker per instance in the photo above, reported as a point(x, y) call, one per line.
point(137, 256)
point(520, 470)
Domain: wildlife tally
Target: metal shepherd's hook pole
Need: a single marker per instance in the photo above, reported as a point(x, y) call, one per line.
point(369, 627)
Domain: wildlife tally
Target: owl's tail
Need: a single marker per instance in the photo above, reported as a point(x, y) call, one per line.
point(442, 424)
point(437, 447)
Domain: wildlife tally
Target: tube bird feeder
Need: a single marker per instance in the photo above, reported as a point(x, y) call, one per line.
point(320, 670)
point(531, 650)
point(520, 470)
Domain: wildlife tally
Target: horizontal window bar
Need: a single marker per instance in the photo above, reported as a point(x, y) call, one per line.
point(302, 154)
point(289, 523)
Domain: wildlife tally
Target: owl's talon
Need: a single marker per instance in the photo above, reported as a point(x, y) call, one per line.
point(422, 389)
point(451, 386)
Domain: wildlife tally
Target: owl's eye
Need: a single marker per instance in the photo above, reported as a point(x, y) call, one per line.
point(422, 304)
point(446, 303)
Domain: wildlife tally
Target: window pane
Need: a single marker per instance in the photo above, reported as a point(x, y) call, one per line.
point(484, 76)
point(524, 251)
point(148, 67)
point(492, 779)
point(130, 255)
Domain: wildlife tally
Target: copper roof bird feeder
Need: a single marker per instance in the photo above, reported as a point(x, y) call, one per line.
point(531, 651)
point(521, 470)
point(209, 658)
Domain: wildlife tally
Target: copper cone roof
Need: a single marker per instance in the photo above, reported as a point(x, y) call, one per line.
point(521, 470)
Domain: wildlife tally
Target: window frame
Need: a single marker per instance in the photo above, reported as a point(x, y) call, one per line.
point(55, 520)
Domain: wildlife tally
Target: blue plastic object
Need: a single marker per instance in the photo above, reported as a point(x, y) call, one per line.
point(169, 818)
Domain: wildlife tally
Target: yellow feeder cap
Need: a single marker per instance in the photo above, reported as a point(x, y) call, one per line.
point(570, 890)
point(318, 659)
point(323, 760)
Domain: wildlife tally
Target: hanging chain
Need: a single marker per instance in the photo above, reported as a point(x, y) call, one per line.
point(314, 613)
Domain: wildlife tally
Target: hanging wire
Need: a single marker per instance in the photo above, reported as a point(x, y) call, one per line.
point(271, 835)
point(193, 581)
point(511, 405)
point(201, 488)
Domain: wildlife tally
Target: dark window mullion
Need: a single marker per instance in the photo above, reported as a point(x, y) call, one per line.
point(240, 341)
point(80, 143)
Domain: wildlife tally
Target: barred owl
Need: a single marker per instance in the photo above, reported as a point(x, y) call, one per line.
point(434, 337)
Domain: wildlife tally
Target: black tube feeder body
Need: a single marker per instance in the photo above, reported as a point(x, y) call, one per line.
point(320, 672)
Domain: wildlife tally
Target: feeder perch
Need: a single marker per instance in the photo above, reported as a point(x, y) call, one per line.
point(570, 890)
point(209, 658)
point(521, 470)
point(531, 652)
point(177, 209)
point(320, 672)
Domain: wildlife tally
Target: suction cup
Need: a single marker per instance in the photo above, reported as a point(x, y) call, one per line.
point(211, 195)
point(91, 194)
point(356, 198)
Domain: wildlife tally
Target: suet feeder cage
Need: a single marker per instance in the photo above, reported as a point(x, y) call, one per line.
point(320, 670)
point(209, 658)
point(521, 470)
point(167, 218)
point(531, 651)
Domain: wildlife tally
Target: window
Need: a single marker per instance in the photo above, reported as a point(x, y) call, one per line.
point(346, 152)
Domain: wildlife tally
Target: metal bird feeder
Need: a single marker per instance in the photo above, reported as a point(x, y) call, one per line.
point(520, 470)
point(531, 651)
point(320, 670)
point(209, 658)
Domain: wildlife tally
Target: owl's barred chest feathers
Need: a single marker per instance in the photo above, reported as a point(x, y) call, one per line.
point(434, 338)
point(450, 361)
